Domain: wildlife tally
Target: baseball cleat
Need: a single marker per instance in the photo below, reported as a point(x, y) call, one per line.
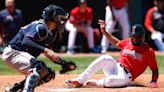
point(9, 89)
point(73, 83)
point(14, 88)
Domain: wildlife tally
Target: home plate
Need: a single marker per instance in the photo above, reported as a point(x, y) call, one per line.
point(62, 89)
point(130, 88)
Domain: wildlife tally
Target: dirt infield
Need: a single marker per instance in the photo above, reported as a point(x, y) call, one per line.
point(141, 84)
point(58, 85)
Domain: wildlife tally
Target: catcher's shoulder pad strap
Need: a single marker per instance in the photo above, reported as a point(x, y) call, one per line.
point(42, 31)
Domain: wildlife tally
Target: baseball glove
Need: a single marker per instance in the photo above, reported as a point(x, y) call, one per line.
point(67, 66)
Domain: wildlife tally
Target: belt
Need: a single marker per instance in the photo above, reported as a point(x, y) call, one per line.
point(126, 71)
point(118, 8)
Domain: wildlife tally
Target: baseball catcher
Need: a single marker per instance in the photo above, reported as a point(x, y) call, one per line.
point(31, 40)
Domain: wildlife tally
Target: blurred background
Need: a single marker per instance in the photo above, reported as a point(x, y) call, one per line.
point(32, 10)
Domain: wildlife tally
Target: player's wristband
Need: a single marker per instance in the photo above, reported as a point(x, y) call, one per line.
point(60, 62)
point(153, 84)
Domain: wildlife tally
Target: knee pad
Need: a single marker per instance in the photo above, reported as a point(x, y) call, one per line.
point(40, 66)
point(46, 74)
point(48, 77)
point(36, 72)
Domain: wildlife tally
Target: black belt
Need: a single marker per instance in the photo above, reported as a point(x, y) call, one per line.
point(126, 71)
point(117, 8)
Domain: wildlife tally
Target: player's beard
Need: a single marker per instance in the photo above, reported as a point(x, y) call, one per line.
point(138, 43)
point(137, 40)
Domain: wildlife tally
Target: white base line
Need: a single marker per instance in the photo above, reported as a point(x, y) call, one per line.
point(62, 89)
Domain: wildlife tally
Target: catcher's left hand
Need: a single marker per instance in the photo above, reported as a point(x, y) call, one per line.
point(67, 66)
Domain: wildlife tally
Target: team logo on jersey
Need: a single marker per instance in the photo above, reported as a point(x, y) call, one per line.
point(132, 53)
point(158, 16)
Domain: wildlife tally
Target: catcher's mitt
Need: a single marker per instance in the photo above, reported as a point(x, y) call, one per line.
point(67, 66)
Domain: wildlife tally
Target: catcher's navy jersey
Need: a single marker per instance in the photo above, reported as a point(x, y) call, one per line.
point(33, 38)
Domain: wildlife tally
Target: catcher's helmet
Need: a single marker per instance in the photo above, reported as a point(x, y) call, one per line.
point(138, 30)
point(55, 13)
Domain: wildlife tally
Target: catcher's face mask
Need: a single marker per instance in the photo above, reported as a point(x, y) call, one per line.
point(61, 19)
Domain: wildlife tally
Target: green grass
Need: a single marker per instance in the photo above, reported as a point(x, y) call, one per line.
point(160, 61)
point(82, 64)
